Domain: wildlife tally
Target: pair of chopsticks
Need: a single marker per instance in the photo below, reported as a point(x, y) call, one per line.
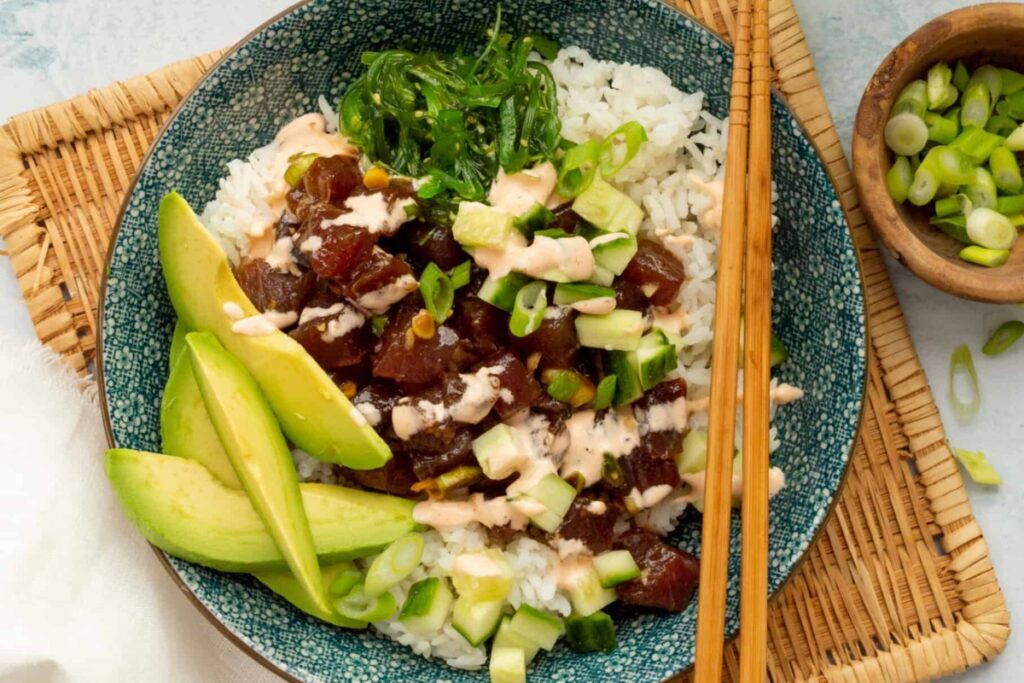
point(744, 253)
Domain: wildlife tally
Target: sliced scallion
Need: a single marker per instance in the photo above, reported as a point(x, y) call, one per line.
point(396, 562)
point(952, 165)
point(458, 477)
point(961, 364)
point(1000, 125)
point(961, 76)
point(954, 226)
point(991, 78)
point(925, 185)
point(619, 148)
point(990, 258)
point(978, 467)
point(578, 168)
point(460, 274)
point(565, 384)
point(1013, 81)
point(977, 144)
point(605, 393)
point(300, 163)
point(975, 105)
point(378, 323)
point(991, 229)
point(345, 582)
point(982, 192)
point(529, 308)
point(1005, 336)
point(950, 206)
point(1015, 139)
point(437, 291)
point(362, 607)
point(899, 178)
point(941, 92)
point(906, 133)
point(940, 129)
point(1005, 170)
point(1012, 204)
point(913, 98)
point(611, 472)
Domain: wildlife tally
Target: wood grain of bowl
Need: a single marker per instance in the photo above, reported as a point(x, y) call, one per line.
point(983, 34)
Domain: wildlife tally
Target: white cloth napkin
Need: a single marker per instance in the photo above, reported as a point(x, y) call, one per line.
point(82, 596)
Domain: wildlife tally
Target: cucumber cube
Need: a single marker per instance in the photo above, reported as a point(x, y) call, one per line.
point(556, 495)
point(595, 633)
point(508, 665)
point(693, 457)
point(627, 376)
point(427, 606)
point(570, 293)
point(602, 276)
point(655, 358)
point(479, 225)
point(613, 251)
point(506, 638)
point(476, 621)
point(608, 209)
point(499, 451)
point(615, 567)
point(501, 292)
point(586, 593)
point(619, 330)
point(540, 627)
point(483, 576)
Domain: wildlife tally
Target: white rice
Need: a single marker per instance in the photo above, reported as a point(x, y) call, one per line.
point(685, 151)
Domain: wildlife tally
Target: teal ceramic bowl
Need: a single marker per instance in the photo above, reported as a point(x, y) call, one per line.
point(314, 49)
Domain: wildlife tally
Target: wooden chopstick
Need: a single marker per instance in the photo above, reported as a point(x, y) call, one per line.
point(756, 364)
point(714, 560)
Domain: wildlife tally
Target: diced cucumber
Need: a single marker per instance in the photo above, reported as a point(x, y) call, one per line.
point(608, 209)
point(556, 495)
point(427, 605)
point(571, 292)
point(627, 377)
point(615, 567)
point(602, 276)
point(655, 358)
point(540, 627)
point(479, 225)
point(501, 292)
point(693, 457)
point(619, 330)
point(537, 217)
point(476, 621)
point(499, 451)
point(594, 633)
point(605, 393)
point(506, 638)
point(586, 593)
point(507, 665)
point(613, 251)
point(483, 576)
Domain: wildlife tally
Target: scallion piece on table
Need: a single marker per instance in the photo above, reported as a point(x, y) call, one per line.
point(1015, 140)
point(961, 364)
point(954, 226)
point(394, 564)
point(975, 105)
point(437, 291)
point(941, 129)
point(362, 607)
point(939, 86)
point(906, 133)
point(1001, 125)
point(990, 258)
point(1013, 81)
point(578, 168)
point(899, 179)
point(925, 185)
point(961, 76)
point(1005, 170)
point(978, 467)
point(982, 192)
point(529, 308)
point(951, 206)
point(619, 148)
point(991, 229)
point(460, 274)
point(1005, 336)
point(605, 393)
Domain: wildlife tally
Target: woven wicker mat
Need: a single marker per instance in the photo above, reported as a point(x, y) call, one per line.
point(898, 587)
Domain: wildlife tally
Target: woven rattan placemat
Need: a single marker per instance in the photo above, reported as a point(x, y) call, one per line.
point(898, 587)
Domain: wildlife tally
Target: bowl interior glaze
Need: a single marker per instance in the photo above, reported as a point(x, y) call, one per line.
point(277, 74)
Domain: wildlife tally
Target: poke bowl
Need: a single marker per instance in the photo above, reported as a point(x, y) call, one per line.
point(417, 302)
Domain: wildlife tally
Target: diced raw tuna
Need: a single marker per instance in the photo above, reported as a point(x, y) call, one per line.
point(655, 269)
point(272, 290)
point(668, 576)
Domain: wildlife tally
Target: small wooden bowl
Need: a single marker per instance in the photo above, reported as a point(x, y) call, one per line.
point(984, 34)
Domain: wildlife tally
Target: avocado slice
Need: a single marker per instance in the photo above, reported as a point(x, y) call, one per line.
point(182, 509)
point(284, 584)
point(259, 454)
point(313, 412)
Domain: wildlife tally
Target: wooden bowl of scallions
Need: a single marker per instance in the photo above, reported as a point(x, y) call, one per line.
point(938, 148)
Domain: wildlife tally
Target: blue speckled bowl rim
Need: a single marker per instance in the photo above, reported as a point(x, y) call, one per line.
point(130, 190)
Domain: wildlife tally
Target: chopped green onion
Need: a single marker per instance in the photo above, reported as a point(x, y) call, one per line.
point(529, 308)
point(378, 323)
point(982, 192)
point(978, 467)
point(913, 98)
point(362, 607)
point(344, 582)
point(939, 87)
point(1002, 126)
point(925, 185)
point(1005, 170)
point(1010, 205)
point(954, 226)
point(1005, 336)
point(990, 258)
point(1015, 139)
point(899, 178)
point(398, 561)
point(300, 163)
point(1014, 106)
point(460, 274)
point(458, 477)
point(961, 76)
point(950, 206)
point(619, 148)
point(1013, 81)
point(941, 129)
point(991, 78)
point(906, 133)
point(952, 165)
point(611, 472)
point(991, 229)
point(605, 393)
point(975, 105)
point(961, 364)
point(437, 291)
point(565, 384)
point(578, 168)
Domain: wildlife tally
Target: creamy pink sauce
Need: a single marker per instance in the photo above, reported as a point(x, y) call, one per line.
point(518, 192)
point(780, 395)
point(714, 190)
point(447, 515)
point(570, 256)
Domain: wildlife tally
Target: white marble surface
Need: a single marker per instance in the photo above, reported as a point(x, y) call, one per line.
point(54, 49)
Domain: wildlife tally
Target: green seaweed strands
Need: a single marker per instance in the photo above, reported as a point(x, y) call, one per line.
point(456, 118)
